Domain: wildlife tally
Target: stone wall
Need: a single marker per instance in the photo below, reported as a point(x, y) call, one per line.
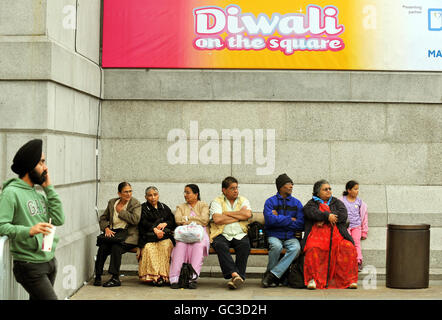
point(50, 88)
point(383, 129)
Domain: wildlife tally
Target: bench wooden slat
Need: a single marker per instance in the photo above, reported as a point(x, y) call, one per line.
point(253, 251)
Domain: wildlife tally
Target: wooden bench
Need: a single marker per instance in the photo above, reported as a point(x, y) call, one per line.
point(253, 251)
point(257, 216)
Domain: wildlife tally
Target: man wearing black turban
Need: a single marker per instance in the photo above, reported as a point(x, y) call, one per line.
point(26, 216)
point(26, 160)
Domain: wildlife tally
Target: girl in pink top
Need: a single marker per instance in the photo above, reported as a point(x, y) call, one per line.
point(357, 216)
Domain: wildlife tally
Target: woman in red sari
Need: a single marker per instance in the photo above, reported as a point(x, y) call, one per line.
point(330, 254)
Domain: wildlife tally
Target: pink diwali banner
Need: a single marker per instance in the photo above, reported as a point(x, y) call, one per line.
point(277, 34)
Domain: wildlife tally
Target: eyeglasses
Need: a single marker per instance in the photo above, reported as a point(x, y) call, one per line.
point(326, 189)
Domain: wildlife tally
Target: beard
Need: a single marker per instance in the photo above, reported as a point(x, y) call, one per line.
point(37, 178)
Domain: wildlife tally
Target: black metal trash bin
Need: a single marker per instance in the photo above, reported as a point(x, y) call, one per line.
point(408, 256)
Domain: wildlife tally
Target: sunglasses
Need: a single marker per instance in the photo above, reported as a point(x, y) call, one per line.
point(326, 189)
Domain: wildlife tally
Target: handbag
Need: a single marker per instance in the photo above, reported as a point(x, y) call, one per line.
point(187, 275)
point(119, 237)
point(257, 239)
point(296, 273)
point(189, 233)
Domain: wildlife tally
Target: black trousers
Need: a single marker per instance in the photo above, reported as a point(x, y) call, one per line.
point(37, 278)
point(242, 251)
point(115, 250)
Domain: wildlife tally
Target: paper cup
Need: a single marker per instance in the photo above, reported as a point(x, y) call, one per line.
point(48, 240)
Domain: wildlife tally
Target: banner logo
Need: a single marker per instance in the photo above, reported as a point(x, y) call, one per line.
point(435, 19)
point(229, 29)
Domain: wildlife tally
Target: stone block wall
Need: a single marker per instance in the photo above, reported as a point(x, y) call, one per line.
point(383, 129)
point(50, 88)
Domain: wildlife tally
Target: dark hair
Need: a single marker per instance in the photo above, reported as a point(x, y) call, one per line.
point(194, 189)
point(349, 185)
point(317, 186)
point(122, 185)
point(228, 181)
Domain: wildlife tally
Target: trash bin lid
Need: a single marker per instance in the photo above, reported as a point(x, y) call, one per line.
point(408, 226)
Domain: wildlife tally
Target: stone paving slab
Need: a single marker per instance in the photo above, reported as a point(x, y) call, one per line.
point(257, 272)
point(216, 289)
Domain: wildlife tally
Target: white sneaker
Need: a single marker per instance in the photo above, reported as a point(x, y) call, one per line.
point(311, 284)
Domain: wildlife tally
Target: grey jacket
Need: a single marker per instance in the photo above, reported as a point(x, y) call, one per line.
point(132, 216)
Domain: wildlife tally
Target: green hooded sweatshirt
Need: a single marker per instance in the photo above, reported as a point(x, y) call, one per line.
point(22, 207)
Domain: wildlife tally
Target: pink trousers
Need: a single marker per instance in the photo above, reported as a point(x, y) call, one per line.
point(192, 253)
point(356, 235)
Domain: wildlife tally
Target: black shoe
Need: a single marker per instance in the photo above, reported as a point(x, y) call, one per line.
point(112, 283)
point(160, 282)
point(269, 280)
point(192, 285)
point(175, 285)
point(97, 281)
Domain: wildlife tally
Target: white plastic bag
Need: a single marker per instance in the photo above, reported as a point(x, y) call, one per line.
point(189, 233)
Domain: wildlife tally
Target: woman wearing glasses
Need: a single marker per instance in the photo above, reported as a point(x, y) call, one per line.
point(122, 213)
point(330, 254)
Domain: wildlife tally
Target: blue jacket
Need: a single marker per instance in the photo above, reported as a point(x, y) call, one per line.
point(282, 226)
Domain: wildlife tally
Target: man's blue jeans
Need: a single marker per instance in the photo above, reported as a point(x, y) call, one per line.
point(276, 266)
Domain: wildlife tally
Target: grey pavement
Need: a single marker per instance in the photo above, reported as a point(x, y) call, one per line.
point(211, 288)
